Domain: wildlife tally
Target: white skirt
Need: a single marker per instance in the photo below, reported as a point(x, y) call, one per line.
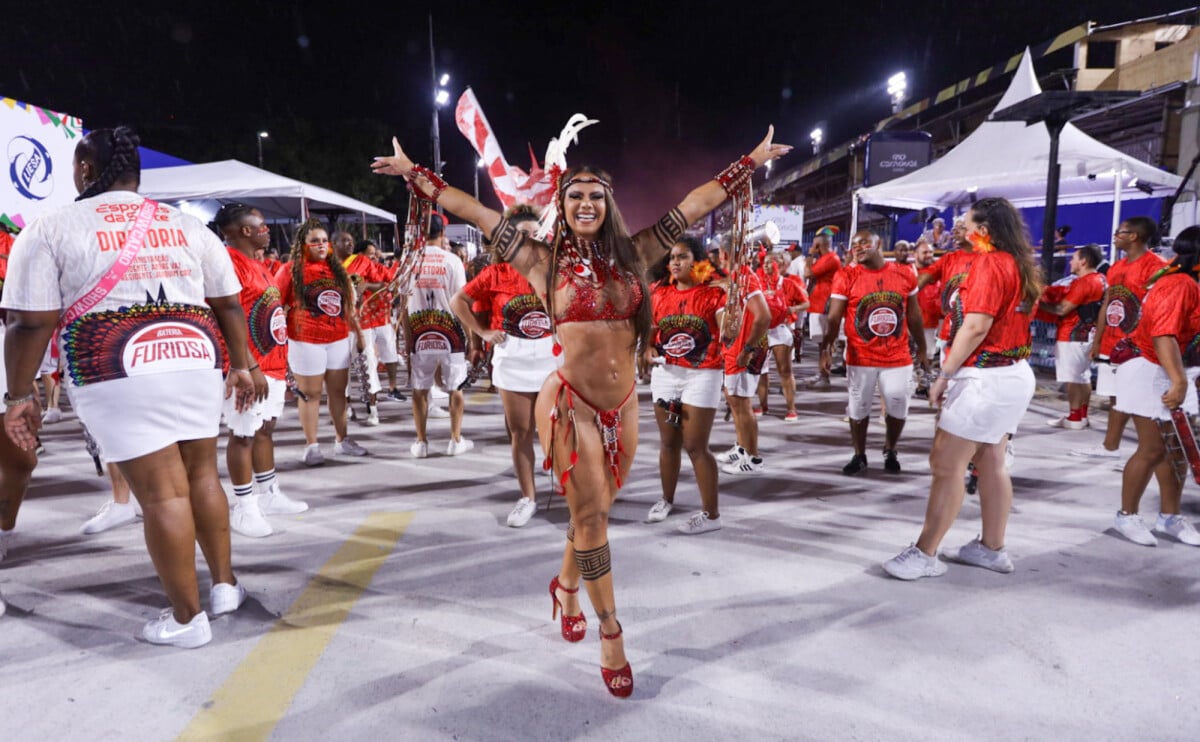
point(522, 364)
point(134, 416)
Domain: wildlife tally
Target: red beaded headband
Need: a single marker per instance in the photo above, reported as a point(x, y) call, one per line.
point(586, 179)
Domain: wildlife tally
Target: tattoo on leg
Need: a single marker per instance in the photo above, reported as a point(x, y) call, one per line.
point(594, 563)
point(668, 229)
point(570, 531)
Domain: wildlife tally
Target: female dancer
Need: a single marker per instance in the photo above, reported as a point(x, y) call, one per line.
point(785, 297)
point(319, 299)
point(1155, 382)
point(686, 384)
point(984, 388)
point(589, 279)
point(143, 361)
point(519, 330)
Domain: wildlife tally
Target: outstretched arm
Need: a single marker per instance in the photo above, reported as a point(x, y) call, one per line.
point(653, 240)
point(510, 243)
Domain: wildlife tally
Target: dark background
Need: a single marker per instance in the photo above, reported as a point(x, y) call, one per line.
point(680, 89)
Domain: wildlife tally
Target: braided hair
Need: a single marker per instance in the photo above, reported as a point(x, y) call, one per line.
point(115, 153)
point(297, 263)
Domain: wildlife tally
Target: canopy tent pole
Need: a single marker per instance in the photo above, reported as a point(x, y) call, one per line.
point(854, 213)
point(1118, 177)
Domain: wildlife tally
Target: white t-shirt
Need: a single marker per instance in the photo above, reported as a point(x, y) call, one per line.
point(796, 267)
point(432, 325)
point(155, 319)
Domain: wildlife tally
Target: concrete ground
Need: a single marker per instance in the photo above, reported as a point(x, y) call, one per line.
point(401, 607)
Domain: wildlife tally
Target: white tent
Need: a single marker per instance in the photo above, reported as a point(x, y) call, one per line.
point(206, 186)
point(1010, 159)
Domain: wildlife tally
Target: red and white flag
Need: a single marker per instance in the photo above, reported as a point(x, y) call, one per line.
point(512, 184)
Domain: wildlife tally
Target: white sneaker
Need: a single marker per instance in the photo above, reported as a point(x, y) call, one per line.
point(51, 416)
point(438, 413)
point(372, 418)
point(347, 447)
point(976, 554)
point(419, 449)
point(312, 455)
point(247, 518)
point(913, 564)
point(110, 515)
point(744, 465)
point(700, 523)
point(166, 630)
point(1131, 527)
point(1097, 451)
point(1068, 424)
point(436, 392)
point(521, 512)
point(456, 447)
point(659, 511)
point(1178, 528)
point(728, 457)
point(225, 598)
point(274, 502)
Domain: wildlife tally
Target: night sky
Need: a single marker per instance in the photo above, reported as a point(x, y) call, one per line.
point(680, 89)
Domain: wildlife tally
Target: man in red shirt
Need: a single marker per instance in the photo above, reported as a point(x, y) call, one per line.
point(1128, 279)
point(744, 358)
point(929, 298)
point(1077, 314)
point(823, 264)
point(948, 272)
point(879, 302)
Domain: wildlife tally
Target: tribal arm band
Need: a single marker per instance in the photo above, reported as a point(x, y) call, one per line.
point(737, 175)
point(435, 182)
point(506, 239)
point(670, 228)
point(594, 563)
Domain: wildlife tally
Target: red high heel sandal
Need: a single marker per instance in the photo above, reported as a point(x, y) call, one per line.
point(574, 628)
point(619, 682)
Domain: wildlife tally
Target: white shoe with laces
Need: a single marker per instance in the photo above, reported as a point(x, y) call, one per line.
point(744, 465)
point(700, 523)
point(913, 564)
point(460, 446)
point(659, 511)
point(1178, 528)
point(419, 449)
point(274, 502)
point(521, 512)
point(110, 515)
point(372, 418)
point(166, 630)
point(247, 519)
point(976, 554)
point(1097, 451)
point(437, 413)
point(728, 457)
point(1131, 526)
point(225, 598)
point(51, 416)
point(347, 447)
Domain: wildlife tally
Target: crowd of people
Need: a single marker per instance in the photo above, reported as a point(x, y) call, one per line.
point(565, 319)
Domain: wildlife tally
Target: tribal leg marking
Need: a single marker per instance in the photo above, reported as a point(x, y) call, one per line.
point(594, 563)
point(668, 229)
point(506, 240)
point(571, 531)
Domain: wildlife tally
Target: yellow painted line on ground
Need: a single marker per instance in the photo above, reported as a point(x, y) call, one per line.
point(259, 691)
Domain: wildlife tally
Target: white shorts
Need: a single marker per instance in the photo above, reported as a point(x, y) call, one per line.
point(781, 335)
point(49, 362)
point(425, 366)
point(1106, 378)
point(1141, 384)
point(695, 387)
point(1073, 363)
point(383, 338)
point(522, 364)
point(818, 325)
point(137, 415)
point(893, 385)
point(314, 359)
point(801, 320)
point(245, 424)
point(986, 404)
point(744, 384)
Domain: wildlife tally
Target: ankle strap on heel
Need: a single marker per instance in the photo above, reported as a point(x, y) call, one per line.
point(610, 637)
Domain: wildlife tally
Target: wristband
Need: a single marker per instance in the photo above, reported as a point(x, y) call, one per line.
point(946, 376)
point(733, 178)
point(10, 402)
point(438, 184)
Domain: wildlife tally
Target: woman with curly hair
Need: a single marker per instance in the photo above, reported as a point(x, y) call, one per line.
point(685, 385)
point(589, 278)
point(140, 331)
point(317, 294)
point(519, 330)
point(983, 389)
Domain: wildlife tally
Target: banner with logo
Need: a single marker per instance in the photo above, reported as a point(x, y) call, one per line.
point(38, 146)
point(789, 219)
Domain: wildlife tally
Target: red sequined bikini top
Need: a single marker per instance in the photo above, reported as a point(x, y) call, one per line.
point(591, 288)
